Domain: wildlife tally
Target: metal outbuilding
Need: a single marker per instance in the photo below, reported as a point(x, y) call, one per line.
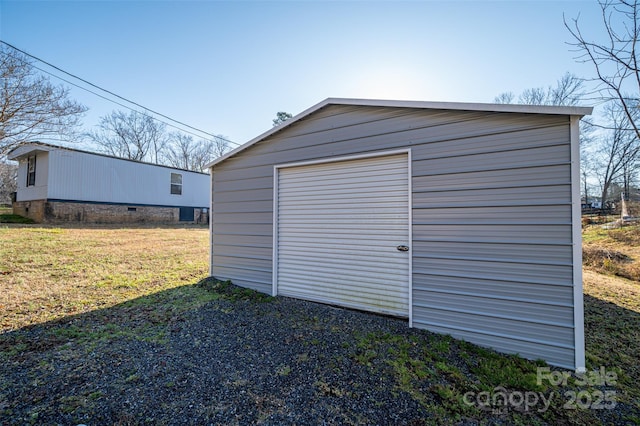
point(463, 218)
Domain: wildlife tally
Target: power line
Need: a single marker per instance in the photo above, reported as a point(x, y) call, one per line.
point(104, 90)
point(122, 105)
point(113, 94)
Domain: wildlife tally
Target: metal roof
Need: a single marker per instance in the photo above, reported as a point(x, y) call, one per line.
point(459, 106)
point(27, 148)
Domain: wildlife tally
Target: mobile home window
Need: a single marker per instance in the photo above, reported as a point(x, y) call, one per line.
point(176, 183)
point(31, 170)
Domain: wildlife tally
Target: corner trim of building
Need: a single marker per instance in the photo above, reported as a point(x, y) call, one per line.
point(578, 298)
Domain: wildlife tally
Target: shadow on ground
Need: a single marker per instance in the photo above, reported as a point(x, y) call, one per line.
point(216, 354)
point(613, 342)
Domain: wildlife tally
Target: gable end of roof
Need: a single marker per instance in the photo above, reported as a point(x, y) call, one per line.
point(454, 106)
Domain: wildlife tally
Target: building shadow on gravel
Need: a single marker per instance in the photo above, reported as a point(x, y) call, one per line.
point(219, 354)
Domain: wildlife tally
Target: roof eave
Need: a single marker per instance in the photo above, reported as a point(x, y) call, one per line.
point(269, 132)
point(464, 106)
point(45, 147)
point(21, 150)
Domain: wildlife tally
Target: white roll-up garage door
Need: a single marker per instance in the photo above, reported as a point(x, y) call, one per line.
point(342, 233)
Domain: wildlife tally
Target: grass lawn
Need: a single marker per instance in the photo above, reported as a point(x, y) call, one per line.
point(7, 216)
point(83, 287)
point(612, 303)
point(51, 273)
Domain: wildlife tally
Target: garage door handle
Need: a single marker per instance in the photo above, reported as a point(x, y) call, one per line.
point(402, 248)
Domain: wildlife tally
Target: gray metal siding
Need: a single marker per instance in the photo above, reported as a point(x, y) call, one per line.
point(493, 256)
point(492, 224)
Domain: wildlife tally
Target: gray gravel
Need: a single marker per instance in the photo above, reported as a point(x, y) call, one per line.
point(229, 362)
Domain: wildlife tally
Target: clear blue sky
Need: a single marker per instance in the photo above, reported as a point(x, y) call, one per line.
point(228, 67)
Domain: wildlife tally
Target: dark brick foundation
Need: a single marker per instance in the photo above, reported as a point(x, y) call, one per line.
point(43, 211)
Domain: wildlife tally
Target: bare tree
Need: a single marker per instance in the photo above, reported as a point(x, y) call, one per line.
point(569, 90)
point(219, 146)
point(618, 153)
point(587, 171)
point(617, 74)
point(30, 106)
point(183, 152)
point(203, 155)
point(210, 150)
point(614, 59)
point(8, 180)
point(504, 98)
point(179, 148)
point(136, 136)
point(533, 96)
point(186, 153)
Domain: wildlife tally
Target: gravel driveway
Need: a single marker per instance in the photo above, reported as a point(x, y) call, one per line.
point(230, 362)
point(284, 361)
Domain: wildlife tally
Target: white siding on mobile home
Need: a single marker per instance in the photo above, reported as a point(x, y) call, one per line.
point(88, 177)
point(79, 179)
point(40, 189)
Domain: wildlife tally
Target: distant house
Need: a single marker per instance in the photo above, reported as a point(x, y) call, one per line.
point(462, 218)
point(57, 184)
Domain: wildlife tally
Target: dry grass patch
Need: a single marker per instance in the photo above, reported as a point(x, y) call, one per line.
point(612, 252)
point(612, 304)
point(618, 291)
point(608, 261)
point(612, 328)
point(51, 273)
point(629, 236)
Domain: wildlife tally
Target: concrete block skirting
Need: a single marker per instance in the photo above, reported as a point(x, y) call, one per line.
point(31, 209)
point(45, 211)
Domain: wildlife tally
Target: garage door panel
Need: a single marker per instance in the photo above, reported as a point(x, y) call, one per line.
point(365, 204)
point(348, 302)
point(331, 218)
point(353, 237)
point(347, 279)
point(387, 259)
point(333, 245)
point(338, 228)
point(358, 234)
point(351, 299)
point(363, 183)
point(323, 240)
point(328, 171)
point(336, 286)
point(338, 266)
point(327, 187)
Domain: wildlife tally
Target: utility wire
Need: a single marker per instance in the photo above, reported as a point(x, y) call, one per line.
point(122, 105)
point(111, 93)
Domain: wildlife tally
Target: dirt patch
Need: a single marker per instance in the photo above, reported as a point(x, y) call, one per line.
point(609, 261)
point(612, 252)
point(629, 236)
